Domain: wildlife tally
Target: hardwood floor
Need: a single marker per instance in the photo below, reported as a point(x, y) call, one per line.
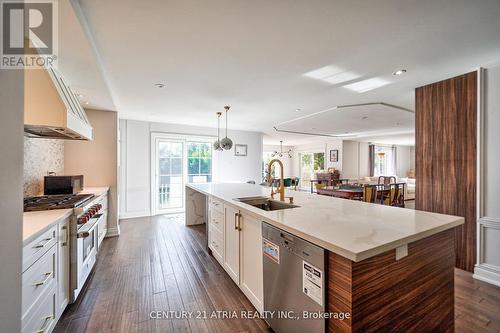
point(159, 264)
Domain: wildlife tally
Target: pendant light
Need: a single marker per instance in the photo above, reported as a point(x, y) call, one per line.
point(226, 143)
point(281, 153)
point(217, 143)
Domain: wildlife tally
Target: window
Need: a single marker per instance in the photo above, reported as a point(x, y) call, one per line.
point(384, 161)
point(199, 159)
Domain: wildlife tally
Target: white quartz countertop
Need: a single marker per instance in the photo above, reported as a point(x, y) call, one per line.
point(35, 223)
point(356, 230)
point(94, 190)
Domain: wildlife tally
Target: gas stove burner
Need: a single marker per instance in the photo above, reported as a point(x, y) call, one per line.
point(48, 202)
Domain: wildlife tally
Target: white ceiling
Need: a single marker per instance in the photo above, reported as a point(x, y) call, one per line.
point(258, 55)
point(78, 61)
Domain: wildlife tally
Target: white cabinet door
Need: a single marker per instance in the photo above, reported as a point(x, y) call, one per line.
point(63, 263)
point(251, 260)
point(232, 243)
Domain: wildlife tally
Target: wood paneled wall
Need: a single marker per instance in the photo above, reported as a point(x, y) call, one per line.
point(446, 156)
point(382, 294)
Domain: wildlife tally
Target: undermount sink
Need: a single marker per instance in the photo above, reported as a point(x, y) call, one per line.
point(265, 203)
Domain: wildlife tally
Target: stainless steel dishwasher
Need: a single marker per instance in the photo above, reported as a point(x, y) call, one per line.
point(294, 281)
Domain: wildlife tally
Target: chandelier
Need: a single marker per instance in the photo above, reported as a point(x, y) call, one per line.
point(281, 153)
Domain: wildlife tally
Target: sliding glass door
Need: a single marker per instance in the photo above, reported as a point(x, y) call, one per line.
point(170, 176)
point(177, 161)
point(310, 163)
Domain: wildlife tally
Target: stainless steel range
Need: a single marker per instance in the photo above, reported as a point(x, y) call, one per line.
point(83, 231)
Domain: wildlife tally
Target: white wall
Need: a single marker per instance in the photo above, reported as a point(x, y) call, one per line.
point(412, 158)
point(355, 159)
point(403, 164)
point(488, 231)
point(100, 168)
point(135, 165)
point(11, 197)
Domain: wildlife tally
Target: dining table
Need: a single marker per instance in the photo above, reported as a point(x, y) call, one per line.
point(313, 181)
point(352, 192)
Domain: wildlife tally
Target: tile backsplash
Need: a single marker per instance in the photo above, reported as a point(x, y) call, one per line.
point(40, 157)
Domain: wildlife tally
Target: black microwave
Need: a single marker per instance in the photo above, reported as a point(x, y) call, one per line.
point(62, 184)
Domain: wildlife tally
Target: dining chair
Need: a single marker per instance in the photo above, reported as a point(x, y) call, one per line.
point(370, 193)
point(295, 182)
point(386, 180)
point(396, 195)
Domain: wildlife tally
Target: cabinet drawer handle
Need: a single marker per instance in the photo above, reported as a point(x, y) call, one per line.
point(66, 236)
point(235, 221)
point(47, 322)
point(239, 221)
point(41, 245)
point(47, 278)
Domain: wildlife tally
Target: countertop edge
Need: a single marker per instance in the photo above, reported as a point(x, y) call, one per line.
point(354, 256)
point(29, 239)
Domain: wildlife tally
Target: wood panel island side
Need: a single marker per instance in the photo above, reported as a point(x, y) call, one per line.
point(390, 269)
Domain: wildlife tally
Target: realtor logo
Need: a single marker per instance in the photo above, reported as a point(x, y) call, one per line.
point(29, 33)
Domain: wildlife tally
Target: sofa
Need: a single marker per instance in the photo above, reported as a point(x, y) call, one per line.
point(409, 188)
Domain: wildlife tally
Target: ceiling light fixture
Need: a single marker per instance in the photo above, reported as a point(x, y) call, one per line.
point(86, 103)
point(217, 146)
point(399, 72)
point(80, 95)
point(281, 153)
point(298, 110)
point(226, 143)
point(159, 85)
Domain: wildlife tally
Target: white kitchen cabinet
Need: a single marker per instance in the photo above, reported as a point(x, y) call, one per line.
point(232, 243)
point(39, 283)
point(251, 272)
point(235, 238)
point(216, 230)
point(63, 264)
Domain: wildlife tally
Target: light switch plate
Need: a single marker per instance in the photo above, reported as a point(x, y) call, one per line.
point(401, 252)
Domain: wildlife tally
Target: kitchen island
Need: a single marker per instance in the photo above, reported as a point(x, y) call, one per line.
point(390, 268)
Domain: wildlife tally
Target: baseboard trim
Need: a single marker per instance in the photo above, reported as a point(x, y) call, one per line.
point(131, 215)
point(113, 232)
point(486, 275)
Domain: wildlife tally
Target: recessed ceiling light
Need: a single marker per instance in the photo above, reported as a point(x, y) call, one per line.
point(399, 72)
point(367, 85)
point(80, 95)
point(159, 85)
point(298, 110)
point(86, 103)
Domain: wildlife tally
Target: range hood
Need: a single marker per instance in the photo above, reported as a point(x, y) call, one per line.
point(51, 108)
